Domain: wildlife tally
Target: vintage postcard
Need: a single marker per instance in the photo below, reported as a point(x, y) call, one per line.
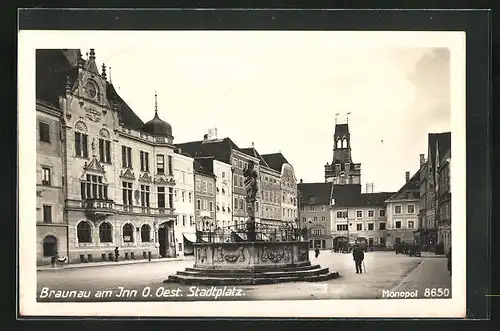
point(242, 173)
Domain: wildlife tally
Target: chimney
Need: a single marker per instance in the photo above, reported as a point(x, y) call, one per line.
point(301, 181)
point(253, 145)
point(205, 137)
point(407, 176)
point(422, 159)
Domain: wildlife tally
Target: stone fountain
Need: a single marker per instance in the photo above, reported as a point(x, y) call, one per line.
point(256, 260)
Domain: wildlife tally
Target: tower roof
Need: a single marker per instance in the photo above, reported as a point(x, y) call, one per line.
point(341, 129)
point(157, 127)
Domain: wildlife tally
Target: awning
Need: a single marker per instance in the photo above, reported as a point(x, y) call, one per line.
point(191, 237)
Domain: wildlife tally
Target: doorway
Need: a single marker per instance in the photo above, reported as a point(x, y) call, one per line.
point(163, 239)
point(370, 242)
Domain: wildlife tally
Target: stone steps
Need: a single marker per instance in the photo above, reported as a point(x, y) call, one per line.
point(257, 270)
point(200, 276)
point(243, 273)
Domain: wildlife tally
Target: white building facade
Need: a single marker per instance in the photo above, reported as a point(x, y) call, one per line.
point(224, 190)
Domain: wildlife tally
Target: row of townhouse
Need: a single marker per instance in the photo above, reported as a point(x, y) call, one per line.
point(106, 179)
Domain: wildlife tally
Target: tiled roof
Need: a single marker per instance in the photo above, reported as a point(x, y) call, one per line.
point(275, 160)
point(126, 114)
point(411, 187)
point(52, 68)
point(253, 152)
point(315, 193)
point(204, 166)
point(350, 196)
point(444, 143)
point(220, 149)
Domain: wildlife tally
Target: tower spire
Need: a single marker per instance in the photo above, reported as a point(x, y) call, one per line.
point(110, 76)
point(156, 103)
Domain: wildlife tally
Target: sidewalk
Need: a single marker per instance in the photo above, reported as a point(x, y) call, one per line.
point(108, 263)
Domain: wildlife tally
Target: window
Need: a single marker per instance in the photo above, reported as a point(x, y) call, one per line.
point(302, 208)
point(340, 214)
point(211, 206)
point(398, 224)
point(81, 147)
point(183, 220)
point(128, 233)
point(223, 191)
point(411, 209)
point(241, 181)
point(323, 219)
point(240, 164)
point(241, 204)
point(191, 221)
point(49, 246)
point(144, 161)
point(145, 195)
point(205, 205)
point(411, 224)
point(104, 150)
point(84, 232)
point(256, 206)
point(127, 193)
point(359, 226)
point(198, 204)
point(311, 208)
point(160, 164)
point(126, 157)
point(176, 196)
point(382, 212)
point(170, 169)
point(371, 213)
point(93, 188)
point(317, 232)
point(315, 218)
point(371, 226)
point(105, 233)
point(381, 241)
point(223, 175)
point(235, 180)
point(397, 209)
point(161, 197)
point(183, 196)
point(198, 185)
point(145, 233)
point(190, 196)
point(323, 208)
point(45, 176)
point(341, 227)
point(382, 226)
point(303, 219)
point(235, 203)
point(204, 186)
point(47, 214)
point(359, 213)
point(210, 188)
point(44, 132)
point(180, 247)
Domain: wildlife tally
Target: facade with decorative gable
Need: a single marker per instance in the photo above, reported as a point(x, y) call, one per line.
point(116, 173)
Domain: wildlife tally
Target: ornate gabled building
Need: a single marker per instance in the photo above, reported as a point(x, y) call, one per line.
point(342, 170)
point(438, 144)
point(402, 212)
point(110, 178)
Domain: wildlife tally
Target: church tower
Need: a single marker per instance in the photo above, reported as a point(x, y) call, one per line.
point(342, 170)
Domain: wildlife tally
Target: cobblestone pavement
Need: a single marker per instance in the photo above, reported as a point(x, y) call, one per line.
point(384, 271)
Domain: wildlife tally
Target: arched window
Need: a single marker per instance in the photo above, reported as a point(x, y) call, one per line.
point(105, 233)
point(49, 246)
point(344, 143)
point(145, 233)
point(84, 232)
point(128, 233)
point(339, 143)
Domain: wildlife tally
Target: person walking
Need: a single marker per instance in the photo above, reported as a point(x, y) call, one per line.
point(358, 257)
point(117, 253)
point(449, 260)
point(53, 259)
point(316, 252)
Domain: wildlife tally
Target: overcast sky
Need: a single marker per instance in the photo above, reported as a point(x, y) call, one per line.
point(282, 91)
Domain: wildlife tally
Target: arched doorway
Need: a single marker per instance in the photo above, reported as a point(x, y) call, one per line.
point(49, 246)
point(166, 239)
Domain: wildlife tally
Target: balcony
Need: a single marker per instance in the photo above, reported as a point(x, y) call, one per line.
point(108, 207)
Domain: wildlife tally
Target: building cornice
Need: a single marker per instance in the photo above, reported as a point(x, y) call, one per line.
point(47, 108)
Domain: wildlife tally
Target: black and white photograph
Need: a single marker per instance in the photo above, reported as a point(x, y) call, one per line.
point(241, 168)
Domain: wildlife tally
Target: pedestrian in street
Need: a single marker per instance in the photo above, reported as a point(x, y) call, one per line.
point(117, 253)
point(449, 260)
point(53, 259)
point(358, 257)
point(316, 252)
